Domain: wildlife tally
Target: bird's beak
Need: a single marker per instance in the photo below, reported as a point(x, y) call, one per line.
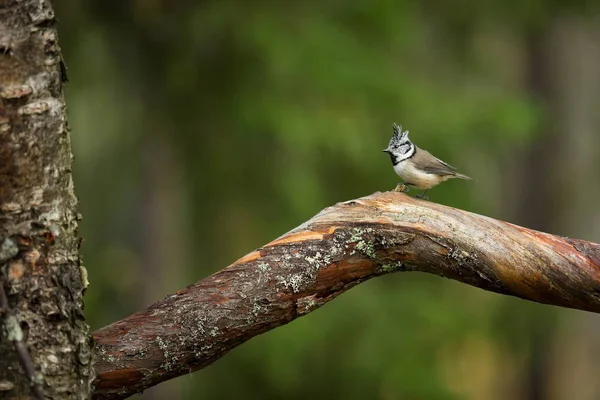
point(386, 150)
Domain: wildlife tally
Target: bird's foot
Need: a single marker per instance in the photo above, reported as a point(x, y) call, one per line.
point(422, 196)
point(402, 188)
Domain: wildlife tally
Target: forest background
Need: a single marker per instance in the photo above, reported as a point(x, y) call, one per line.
point(202, 130)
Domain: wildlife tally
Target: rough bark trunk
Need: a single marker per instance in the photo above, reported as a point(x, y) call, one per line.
point(44, 345)
point(342, 246)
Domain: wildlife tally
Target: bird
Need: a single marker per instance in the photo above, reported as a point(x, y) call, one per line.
point(417, 167)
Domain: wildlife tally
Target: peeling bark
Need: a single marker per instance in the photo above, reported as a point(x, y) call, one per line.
point(40, 269)
point(337, 249)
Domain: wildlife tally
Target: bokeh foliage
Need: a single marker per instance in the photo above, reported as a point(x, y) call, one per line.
point(202, 130)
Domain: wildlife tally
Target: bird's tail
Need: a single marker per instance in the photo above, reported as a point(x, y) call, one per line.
point(462, 176)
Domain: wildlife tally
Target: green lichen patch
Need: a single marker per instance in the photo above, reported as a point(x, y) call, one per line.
point(8, 249)
point(388, 268)
point(304, 305)
point(13, 330)
point(263, 267)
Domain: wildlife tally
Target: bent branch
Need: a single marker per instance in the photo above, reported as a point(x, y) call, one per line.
point(337, 249)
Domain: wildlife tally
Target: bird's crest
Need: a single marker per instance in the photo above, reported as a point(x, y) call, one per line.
point(399, 137)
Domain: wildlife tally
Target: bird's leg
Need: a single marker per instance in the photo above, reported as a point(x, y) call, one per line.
point(402, 188)
point(422, 195)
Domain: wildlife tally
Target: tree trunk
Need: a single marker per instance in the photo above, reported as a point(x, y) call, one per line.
point(45, 345)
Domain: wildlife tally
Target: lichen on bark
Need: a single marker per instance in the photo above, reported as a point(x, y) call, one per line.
point(40, 268)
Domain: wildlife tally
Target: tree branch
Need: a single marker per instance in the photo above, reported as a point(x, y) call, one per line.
point(340, 247)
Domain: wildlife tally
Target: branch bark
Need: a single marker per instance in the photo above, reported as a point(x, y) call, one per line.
point(337, 249)
point(44, 340)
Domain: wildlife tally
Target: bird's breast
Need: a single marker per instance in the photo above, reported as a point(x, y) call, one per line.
point(410, 174)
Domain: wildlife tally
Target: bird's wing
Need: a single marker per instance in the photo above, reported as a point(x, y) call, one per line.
point(433, 165)
point(446, 164)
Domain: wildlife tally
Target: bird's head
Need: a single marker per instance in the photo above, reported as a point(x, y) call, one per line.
point(400, 147)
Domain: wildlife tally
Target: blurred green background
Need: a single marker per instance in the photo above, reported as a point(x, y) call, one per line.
point(204, 129)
